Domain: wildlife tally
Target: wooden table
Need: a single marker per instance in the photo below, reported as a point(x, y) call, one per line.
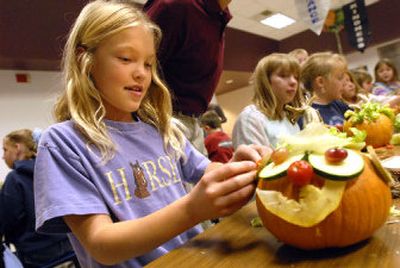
point(235, 243)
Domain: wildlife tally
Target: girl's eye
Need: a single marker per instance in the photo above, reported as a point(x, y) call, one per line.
point(148, 65)
point(124, 59)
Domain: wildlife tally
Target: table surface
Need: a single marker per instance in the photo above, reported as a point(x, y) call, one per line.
point(235, 243)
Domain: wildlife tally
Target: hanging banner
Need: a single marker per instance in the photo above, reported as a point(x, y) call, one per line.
point(356, 24)
point(313, 13)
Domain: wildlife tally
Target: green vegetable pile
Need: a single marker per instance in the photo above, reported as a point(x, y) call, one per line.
point(369, 111)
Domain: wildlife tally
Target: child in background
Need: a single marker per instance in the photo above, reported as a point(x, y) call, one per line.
point(217, 109)
point(351, 90)
point(323, 75)
point(364, 79)
point(275, 85)
point(17, 211)
point(218, 143)
point(110, 172)
point(386, 79)
point(300, 54)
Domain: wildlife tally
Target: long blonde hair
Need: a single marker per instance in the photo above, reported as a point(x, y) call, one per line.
point(81, 101)
point(264, 98)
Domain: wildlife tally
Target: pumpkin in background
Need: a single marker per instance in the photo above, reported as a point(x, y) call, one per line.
point(375, 119)
point(364, 207)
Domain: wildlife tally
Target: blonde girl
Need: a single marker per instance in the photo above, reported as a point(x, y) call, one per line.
point(111, 172)
point(275, 85)
point(323, 76)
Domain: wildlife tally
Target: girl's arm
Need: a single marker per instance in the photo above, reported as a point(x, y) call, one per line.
point(220, 192)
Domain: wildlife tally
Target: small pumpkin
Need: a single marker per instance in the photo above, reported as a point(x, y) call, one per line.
point(376, 120)
point(364, 207)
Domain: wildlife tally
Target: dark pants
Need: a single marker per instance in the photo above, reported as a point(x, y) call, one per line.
point(43, 257)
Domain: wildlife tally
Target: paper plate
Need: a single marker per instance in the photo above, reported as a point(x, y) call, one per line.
point(392, 164)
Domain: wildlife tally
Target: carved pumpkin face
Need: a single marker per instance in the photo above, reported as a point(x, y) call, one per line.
point(364, 207)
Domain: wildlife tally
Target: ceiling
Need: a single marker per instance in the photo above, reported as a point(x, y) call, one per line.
point(246, 15)
point(33, 32)
point(247, 12)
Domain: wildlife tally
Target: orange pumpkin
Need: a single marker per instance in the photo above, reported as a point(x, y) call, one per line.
point(363, 209)
point(379, 132)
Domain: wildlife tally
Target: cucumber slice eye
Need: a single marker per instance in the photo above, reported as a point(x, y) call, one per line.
point(350, 167)
point(273, 171)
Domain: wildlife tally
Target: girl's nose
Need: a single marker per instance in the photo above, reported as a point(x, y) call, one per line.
point(292, 79)
point(139, 72)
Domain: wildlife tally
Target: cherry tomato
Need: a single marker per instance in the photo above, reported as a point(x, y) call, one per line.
point(335, 155)
point(280, 155)
point(300, 173)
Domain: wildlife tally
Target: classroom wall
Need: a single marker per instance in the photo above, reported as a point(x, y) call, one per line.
point(26, 105)
point(233, 103)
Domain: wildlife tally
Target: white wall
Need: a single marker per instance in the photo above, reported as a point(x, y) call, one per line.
point(369, 58)
point(233, 103)
point(26, 105)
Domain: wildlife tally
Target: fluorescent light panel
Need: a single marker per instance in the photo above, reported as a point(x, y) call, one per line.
point(277, 21)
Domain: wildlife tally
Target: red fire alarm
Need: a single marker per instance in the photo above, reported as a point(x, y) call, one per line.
point(22, 78)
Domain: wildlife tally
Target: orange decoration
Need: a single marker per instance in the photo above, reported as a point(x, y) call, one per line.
point(379, 132)
point(363, 209)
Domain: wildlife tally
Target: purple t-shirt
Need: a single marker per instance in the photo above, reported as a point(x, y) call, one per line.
point(191, 52)
point(141, 179)
point(383, 89)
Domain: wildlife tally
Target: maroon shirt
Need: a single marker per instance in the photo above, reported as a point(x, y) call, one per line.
point(219, 147)
point(192, 49)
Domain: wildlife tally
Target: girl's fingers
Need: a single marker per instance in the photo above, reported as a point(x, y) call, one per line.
point(230, 170)
point(235, 200)
point(263, 151)
point(234, 183)
point(251, 152)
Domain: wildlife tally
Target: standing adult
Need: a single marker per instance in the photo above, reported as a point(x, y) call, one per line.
point(191, 55)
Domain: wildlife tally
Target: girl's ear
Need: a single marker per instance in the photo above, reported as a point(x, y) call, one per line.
point(80, 49)
point(319, 82)
point(18, 150)
point(18, 147)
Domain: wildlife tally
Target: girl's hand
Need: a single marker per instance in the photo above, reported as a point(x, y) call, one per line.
point(252, 153)
point(222, 191)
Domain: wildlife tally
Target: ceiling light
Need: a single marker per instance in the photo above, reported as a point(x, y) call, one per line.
point(277, 21)
point(230, 81)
